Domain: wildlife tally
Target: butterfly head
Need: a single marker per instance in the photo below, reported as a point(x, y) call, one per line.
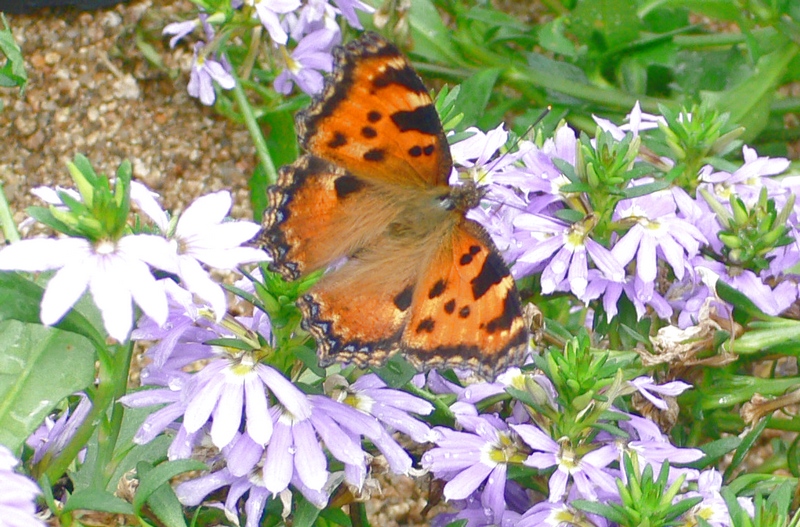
point(463, 197)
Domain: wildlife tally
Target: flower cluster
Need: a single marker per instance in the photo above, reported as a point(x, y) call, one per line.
point(303, 34)
point(598, 219)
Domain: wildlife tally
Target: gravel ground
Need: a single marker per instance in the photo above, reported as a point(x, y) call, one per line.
point(91, 91)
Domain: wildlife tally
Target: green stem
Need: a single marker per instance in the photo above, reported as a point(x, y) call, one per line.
point(255, 132)
point(112, 384)
point(6, 220)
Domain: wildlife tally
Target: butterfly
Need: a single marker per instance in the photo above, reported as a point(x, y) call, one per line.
point(370, 201)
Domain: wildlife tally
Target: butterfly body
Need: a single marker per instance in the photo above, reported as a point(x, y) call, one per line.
point(409, 271)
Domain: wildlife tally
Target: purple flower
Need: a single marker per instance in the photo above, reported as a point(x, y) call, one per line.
point(481, 454)
point(647, 387)
point(657, 233)
point(206, 71)
point(747, 180)
point(558, 514)
point(348, 10)
point(180, 30)
point(17, 494)
point(713, 508)
point(269, 11)
point(564, 248)
point(116, 272)
point(311, 57)
point(587, 471)
point(52, 436)
point(652, 447)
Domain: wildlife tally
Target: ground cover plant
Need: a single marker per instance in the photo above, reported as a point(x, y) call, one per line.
point(649, 220)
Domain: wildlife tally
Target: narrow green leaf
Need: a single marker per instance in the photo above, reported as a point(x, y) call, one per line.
point(162, 501)
point(98, 500)
point(747, 443)
point(150, 479)
point(396, 372)
point(305, 512)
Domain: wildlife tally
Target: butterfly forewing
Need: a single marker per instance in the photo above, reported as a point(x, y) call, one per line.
point(318, 213)
point(376, 118)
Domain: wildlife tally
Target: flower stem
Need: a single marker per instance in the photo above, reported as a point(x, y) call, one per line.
point(255, 132)
point(9, 229)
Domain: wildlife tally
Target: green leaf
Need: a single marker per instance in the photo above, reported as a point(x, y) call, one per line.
point(39, 366)
point(615, 21)
point(305, 512)
point(161, 500)
point(13, 71)
point(749, 102)
point(20, 299)
point(431, 37)
point(151, 479)
point(747, 443)
point(396, 372)
point(97, 500)
point(474, 96)
point(714, 451)
point(739, 300)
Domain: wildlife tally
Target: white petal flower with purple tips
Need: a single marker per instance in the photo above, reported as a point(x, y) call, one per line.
point(17, 494)
point(202, 236)
point(116, 273)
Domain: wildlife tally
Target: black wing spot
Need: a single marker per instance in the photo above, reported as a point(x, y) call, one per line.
point(339, 140)
point(492, 273)
point(428, 150)
point(511, 308)
point(404, 76)
point(369, 132)
point(464, 312)
point(437, 289)
point(374, 116)
point(346, 185)
point(376, 154)
point(415, 151)
point(403, 300)
point(426, 325)
point(450, 306)
point(423, 119)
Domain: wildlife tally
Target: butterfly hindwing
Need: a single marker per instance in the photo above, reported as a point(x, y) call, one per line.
point(376, 118)
point(466, 310)
point(357, 312)
point(319, 213)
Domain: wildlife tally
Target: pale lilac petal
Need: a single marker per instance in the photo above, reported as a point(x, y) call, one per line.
point(287, 393)
point(145, 199)
point(149, 248)
point(200, 407)
point(147, 293)
point(309, 459)
point(537, 439)
point(557, 485)
point(228, 413)
point(279, 461)
point(466, 482)
point(192, 493)
point(112, 296)
point(259, 422)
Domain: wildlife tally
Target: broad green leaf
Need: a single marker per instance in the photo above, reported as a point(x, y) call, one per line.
point(615, 20)
point(474, 96)
point(13, 71)
point(396, 372)
point(20, 299)
point(39, 366)
point(431, 38)
point(749, 102)
point(98, 500)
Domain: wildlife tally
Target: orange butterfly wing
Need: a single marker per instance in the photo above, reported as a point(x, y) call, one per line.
point(466, 309)
point(376, 118)
point(371, 197)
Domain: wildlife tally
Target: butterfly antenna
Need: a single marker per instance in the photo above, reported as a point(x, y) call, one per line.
point(519, 138)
